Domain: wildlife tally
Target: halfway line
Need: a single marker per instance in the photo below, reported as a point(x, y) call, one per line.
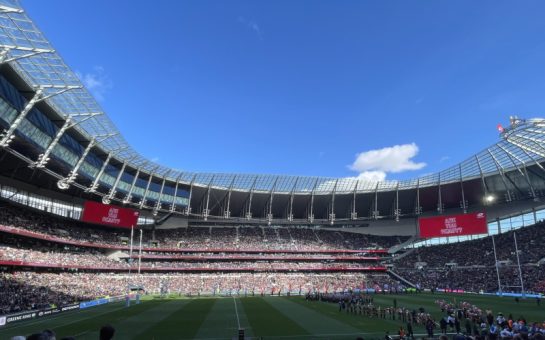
point(236, 311)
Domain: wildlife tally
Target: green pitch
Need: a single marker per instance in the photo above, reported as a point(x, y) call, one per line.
point(267, 317)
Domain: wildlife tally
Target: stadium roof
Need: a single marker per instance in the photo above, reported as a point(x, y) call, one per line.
point(27, 50)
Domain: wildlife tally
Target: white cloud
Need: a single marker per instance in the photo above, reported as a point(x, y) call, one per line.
point(252, 25)
point(371, 176)
point(393, 159)
point(374, 165)
point(97, 82)
point(443, 159)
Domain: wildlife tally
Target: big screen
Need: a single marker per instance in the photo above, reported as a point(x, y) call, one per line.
point(111, 215)
point(453, 225)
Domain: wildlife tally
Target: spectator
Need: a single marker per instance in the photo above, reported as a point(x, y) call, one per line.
point(107, 332)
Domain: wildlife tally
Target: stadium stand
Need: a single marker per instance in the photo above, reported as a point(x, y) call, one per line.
point(80, 258)
point(59, 152)
point(14, 219)
point(470, 265)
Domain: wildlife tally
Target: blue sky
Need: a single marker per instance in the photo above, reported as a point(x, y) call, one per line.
point(326, 88)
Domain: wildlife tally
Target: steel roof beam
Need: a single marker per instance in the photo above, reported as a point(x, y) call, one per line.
point(374, 206)
point(64, 183)
point(188, 209)
point(526, 146)
point(205, 211)
point(108, 198)
point(523, 174)
point(270, 202)
point(8, 9)
point(332, 213)
point(535, 161)
point(290, 204)
point(4, 54)
point(175, 196)
point(158, 204)
point(440, 205)
point(417, 208)
point(251, 195)
point(502, 175)
point(311, 213)
point(354, 214)
point(95, 184)
point(482, 179)
point(38, 96)
point(144, 197)
point(227, 211)
point(463, 204)
point(128, 198)
point(8, 135)
point(68, 123)
point(397, 211)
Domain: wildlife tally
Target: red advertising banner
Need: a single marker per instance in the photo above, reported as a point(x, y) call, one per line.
point(453, 225)
point(94, 212)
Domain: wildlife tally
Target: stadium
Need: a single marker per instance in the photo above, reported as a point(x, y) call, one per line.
point(93, 233)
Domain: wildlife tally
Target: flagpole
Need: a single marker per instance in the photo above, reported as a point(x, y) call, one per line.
point(518, 263)
point(140, 253)
point(139, 263)
point(130, 266)
point(496, 262)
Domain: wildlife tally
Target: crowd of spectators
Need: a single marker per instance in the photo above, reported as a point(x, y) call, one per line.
point(94, 259)
point(480, 252)
point(259, 265)
point(64, 228)
point(237, 238)
point(25, 290)
point(200, 256)
point(471, 265)
point(278, 272)
point(88, 258)
point(477, 279)
point(467, 319)
point(18, 250)
point(268, 238)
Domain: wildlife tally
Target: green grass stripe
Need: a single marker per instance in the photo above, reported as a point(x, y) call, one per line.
point(526, 307)
point(266, 320)
point(221, 320)
point(133, 325)
point(366, 326)
point(244, 323)
point(288, 318)
point(314, 321)
point(182, 323)
point(93, 324)
point(71, 323)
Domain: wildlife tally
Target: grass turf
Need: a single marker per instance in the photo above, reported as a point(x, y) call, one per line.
point(267, 317)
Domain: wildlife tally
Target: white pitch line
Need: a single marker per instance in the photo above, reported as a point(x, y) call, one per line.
point(236, 312)
point(46, 319)
point(92, 316)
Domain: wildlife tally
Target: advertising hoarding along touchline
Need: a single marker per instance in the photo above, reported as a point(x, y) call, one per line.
point(453, 225)
point(110, 215)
